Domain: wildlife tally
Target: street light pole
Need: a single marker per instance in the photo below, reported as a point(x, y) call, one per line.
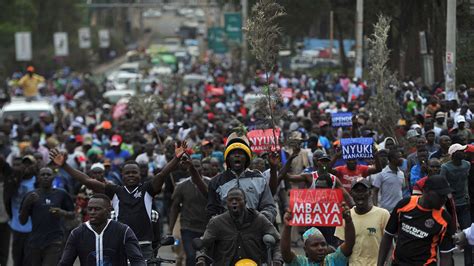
point(245, 8)
point(450, 60)
point(359, 35)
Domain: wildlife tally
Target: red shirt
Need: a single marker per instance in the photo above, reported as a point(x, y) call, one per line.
point(347, 176)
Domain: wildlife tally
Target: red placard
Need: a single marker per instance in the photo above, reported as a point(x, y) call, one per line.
point(217, 91)
point(287, 93)
point(264, 140)
point(316, 207)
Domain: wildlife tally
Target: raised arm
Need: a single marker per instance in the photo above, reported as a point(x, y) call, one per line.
point(347, 197)
point(159, 179)
point(349, 232)
point(273, 160)
point(282, 175)
point(285, 243)
point(195, 176)
point(59, 159)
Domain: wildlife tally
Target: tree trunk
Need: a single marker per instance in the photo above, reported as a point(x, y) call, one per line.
point(340, 38)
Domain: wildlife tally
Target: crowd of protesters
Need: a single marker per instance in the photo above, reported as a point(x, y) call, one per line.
point(104, 188)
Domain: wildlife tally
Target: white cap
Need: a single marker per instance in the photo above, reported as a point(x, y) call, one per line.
point(456, 147)
point(98, 165)
point(460, 119)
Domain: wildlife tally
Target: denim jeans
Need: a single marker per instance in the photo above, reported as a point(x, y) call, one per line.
point(187, 237)
point(464, 220)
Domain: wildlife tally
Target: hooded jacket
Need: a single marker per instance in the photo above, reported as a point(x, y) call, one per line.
point(252, 182)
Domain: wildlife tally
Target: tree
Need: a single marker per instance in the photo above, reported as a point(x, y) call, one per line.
point(383, 105)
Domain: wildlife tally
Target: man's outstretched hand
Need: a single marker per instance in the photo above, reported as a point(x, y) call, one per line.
point(180, 149)
point(58, 157)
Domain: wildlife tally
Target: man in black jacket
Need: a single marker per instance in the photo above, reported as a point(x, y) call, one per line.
point(238, 234)
point(101, 241)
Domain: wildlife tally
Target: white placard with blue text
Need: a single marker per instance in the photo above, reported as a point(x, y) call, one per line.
point(341, 119)
point(357, 148)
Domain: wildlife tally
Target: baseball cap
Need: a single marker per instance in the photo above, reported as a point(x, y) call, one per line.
point(412, 133)
point(116, 140)
point(324, 157)
point(440, 115)
point(98, 166)
point(460, 119)
point(456, 147)
point(29, 157)
point(106, 125)
point(323, 123)
point(361, 180)
point(439, 184)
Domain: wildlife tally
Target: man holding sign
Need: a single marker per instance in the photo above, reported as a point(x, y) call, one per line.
point(317, 251)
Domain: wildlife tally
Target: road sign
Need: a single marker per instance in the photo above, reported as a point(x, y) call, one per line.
point(216, 40)
point(61, 47)
point(84, 38)
point(233, 26)
point(23, 46)
point(104, 38)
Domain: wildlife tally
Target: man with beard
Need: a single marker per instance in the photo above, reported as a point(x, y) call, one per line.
point(238, 233)
point(102, 241)
point(257, 191)
point(369, 223)
point(46, 206)
point(132, 202)
point(317, 251)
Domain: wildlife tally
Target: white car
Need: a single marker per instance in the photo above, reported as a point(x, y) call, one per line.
point(161, 71)
point(32, 109)
point(193, 79)
point(152, 13)
point(199, 13)
point(114, 96)
point(121, 79)
point(132, 67)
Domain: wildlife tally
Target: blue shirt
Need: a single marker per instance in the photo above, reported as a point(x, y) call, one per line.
point(117, 160)
point(334, 259)
point(25, 187)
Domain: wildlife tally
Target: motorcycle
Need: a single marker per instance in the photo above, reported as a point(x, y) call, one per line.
point(166, 241)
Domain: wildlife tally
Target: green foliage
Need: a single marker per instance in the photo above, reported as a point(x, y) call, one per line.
point(145, 108)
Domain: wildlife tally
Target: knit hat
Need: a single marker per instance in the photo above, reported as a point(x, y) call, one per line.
point(235, 142)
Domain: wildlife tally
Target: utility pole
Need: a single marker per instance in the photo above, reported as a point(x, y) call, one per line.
point(359, 36)
point(450, 60)
point(245, 8)
point(331, 32)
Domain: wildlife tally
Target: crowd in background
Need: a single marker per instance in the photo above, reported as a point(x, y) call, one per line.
point(432, 135)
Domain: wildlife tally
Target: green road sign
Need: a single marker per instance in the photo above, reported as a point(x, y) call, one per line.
point(233, 26)
point(216, 38)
